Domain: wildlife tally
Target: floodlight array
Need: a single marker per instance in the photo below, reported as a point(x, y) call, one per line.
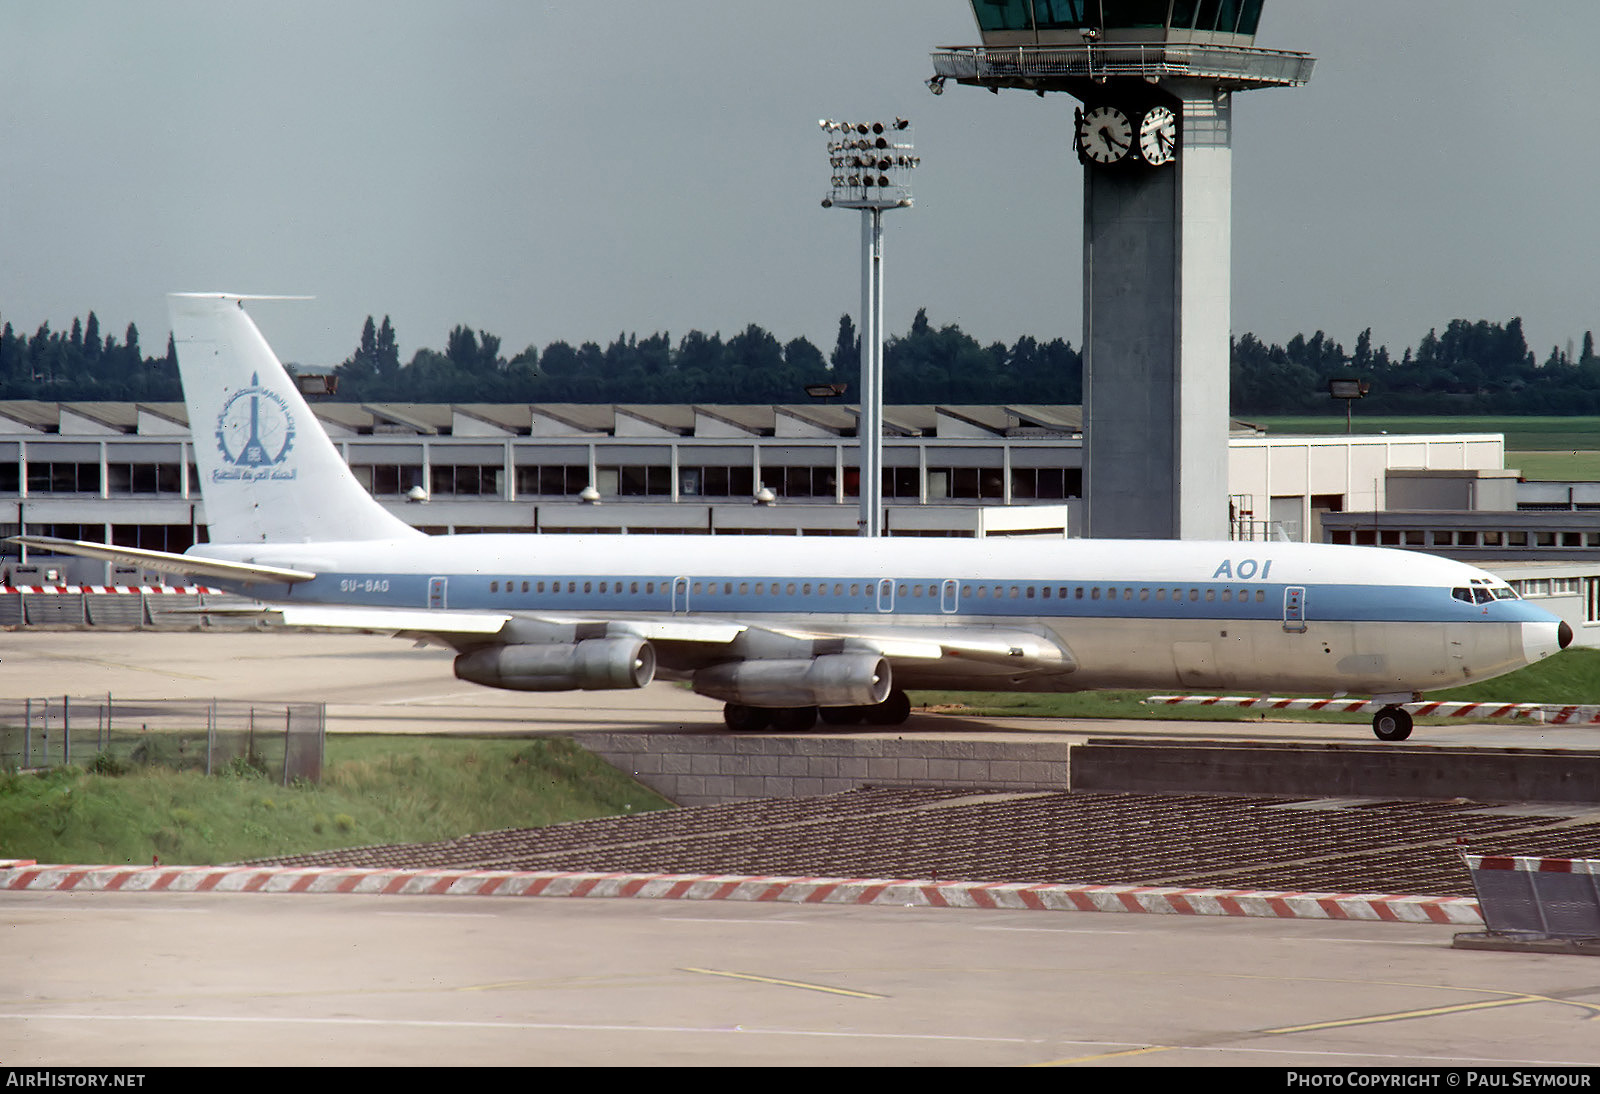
point(870, 162)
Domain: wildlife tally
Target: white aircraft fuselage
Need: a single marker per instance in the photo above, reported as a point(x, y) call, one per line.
point(783, 627)
point(1081, 614)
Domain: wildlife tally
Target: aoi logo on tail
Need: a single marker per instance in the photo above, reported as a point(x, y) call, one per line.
point(255, 432)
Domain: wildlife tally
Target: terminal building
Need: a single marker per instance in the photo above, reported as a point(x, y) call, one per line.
point(124, 473)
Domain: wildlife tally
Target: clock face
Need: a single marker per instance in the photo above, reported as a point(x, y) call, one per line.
point(1105, 135)
point(1158, 136)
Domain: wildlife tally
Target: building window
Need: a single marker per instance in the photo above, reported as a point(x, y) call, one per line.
point(965, 482)
point(1046, 483)
point(800, 482)
point(902, 482)
point(465, 480)
point(640, 481)
point(552, 481)
point(143, 478)
point(716, 482)
point(387, 479)
point(63, 478)
point(173, 538)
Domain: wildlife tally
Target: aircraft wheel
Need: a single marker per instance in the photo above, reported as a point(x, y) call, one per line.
point(743, 719)
point(794, 719)
point(1392, 724)
point(842, 716)
point(892, 711)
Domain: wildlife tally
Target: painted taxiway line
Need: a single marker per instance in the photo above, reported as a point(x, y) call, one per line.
point(899, 892)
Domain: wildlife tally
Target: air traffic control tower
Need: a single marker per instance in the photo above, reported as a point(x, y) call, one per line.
point(1154, 134)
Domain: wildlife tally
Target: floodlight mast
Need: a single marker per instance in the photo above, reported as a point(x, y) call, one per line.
point(870, 161)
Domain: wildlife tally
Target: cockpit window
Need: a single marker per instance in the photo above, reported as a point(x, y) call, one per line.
point(1483, 590)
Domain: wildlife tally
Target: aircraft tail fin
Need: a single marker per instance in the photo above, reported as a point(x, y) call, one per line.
point(268, 472)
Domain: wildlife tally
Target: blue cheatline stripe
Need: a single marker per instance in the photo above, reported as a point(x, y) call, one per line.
point(738, 596)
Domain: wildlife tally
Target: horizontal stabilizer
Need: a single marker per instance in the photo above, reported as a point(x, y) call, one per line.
point(167, 563)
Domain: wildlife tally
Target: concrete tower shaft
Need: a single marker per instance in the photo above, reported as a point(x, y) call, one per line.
point(1154, 135)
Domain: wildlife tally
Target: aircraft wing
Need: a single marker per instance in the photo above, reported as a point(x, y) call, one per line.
point(700, 640)
point(166, 562)
point(692, 642)
point(408, 621)
point(1018, 650)
point(472, 628)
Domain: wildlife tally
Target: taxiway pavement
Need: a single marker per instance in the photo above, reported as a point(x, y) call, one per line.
point(376, 684)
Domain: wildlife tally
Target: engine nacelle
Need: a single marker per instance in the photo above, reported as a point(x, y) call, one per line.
point(832, 680)
point(597, 664)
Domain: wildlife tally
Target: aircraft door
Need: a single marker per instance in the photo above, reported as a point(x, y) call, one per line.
point(437, 600)
point(1294, 609)
point(949, 597)
point(680, 595)
point(886, 595)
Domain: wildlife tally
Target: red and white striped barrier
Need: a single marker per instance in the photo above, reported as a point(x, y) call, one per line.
point(188, 590)
point(1157, 900)
point(1533, 864)
point(1548, 713)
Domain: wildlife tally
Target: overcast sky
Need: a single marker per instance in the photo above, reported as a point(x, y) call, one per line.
point(571, 171)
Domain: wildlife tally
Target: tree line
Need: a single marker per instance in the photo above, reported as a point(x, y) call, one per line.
point(81, 364)
point(753, 366)
point(1471, 367)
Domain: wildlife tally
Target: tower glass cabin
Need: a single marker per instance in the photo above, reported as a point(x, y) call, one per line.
point(1154, 135)
point(1127, 20)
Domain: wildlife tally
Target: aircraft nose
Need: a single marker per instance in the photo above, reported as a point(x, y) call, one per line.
point(1544, 638)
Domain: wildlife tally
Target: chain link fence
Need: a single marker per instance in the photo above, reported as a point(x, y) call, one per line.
point(283, 741)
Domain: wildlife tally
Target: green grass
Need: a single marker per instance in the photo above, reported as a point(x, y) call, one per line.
point(1569, 678)
point(1542, 449)
point(408, 789)
point(1556, 466)
point(374, 790)
point(1522, 434)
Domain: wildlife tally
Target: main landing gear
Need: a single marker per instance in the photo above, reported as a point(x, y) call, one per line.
point(1392, 724)
point(742, 719)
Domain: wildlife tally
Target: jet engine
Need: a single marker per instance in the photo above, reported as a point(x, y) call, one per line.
point(832, 680)
point(596, 664)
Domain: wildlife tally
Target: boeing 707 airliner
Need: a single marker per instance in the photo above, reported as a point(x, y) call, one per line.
point(786, 629)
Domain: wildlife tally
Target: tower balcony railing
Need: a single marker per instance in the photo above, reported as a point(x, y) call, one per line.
point(1031, 66)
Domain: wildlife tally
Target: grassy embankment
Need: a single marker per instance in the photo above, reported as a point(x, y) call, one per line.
point(406, 789)
point(374, 790)
point(1541, 448)
point(1569, 678)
